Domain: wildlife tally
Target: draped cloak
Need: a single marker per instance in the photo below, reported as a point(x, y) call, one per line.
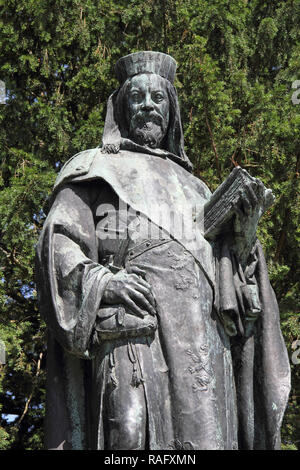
point(215, 373)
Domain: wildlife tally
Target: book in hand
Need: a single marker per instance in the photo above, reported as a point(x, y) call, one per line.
point(220, 209)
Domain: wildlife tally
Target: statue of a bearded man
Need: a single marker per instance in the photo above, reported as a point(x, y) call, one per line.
point(159, 337)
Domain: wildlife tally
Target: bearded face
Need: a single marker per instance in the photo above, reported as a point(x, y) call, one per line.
point(147, 110)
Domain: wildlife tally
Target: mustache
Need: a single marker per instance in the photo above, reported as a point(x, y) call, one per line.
point(142, 119)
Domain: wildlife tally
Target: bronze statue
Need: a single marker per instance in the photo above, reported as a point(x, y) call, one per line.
point(163, 327)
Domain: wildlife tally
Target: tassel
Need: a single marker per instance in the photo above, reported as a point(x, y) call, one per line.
point(136, 379)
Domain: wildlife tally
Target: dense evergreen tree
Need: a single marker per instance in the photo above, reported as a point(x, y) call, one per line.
point(237, 62)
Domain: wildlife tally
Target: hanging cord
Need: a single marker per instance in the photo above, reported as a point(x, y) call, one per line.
point(137, 378)
point(113, 382)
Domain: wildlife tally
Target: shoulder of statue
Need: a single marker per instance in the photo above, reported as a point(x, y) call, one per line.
point(76, 166)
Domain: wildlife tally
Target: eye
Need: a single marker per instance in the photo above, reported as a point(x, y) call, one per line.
point(157, 97)
point(135, 96)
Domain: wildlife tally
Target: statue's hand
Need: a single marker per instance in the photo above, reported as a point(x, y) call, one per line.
point(110, 148)
point(130, 290)
point(254, 198)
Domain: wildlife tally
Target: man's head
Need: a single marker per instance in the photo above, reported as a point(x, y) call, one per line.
point(145, 109)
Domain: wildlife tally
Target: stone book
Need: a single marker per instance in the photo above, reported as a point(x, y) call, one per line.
point(219, 210)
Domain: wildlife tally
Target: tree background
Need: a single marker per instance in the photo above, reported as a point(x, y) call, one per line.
point(237, 60)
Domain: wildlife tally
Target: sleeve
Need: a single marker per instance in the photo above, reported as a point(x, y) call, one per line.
point(70, 281)
point(249, 312)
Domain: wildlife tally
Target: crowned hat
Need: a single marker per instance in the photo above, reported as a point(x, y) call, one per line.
point(146, 62)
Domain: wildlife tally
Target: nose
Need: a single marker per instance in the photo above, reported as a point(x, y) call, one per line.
point(147, 103)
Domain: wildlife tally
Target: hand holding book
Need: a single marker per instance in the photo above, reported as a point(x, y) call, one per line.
point(234, 210)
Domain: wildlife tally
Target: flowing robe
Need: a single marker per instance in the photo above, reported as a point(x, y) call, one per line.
point(204, 386)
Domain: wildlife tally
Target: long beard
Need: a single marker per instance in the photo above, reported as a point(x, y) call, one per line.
point(147, 129)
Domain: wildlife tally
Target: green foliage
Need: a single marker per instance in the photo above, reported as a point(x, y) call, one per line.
point(237, 62)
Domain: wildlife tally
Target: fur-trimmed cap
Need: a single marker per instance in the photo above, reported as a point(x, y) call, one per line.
point(146, 61)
